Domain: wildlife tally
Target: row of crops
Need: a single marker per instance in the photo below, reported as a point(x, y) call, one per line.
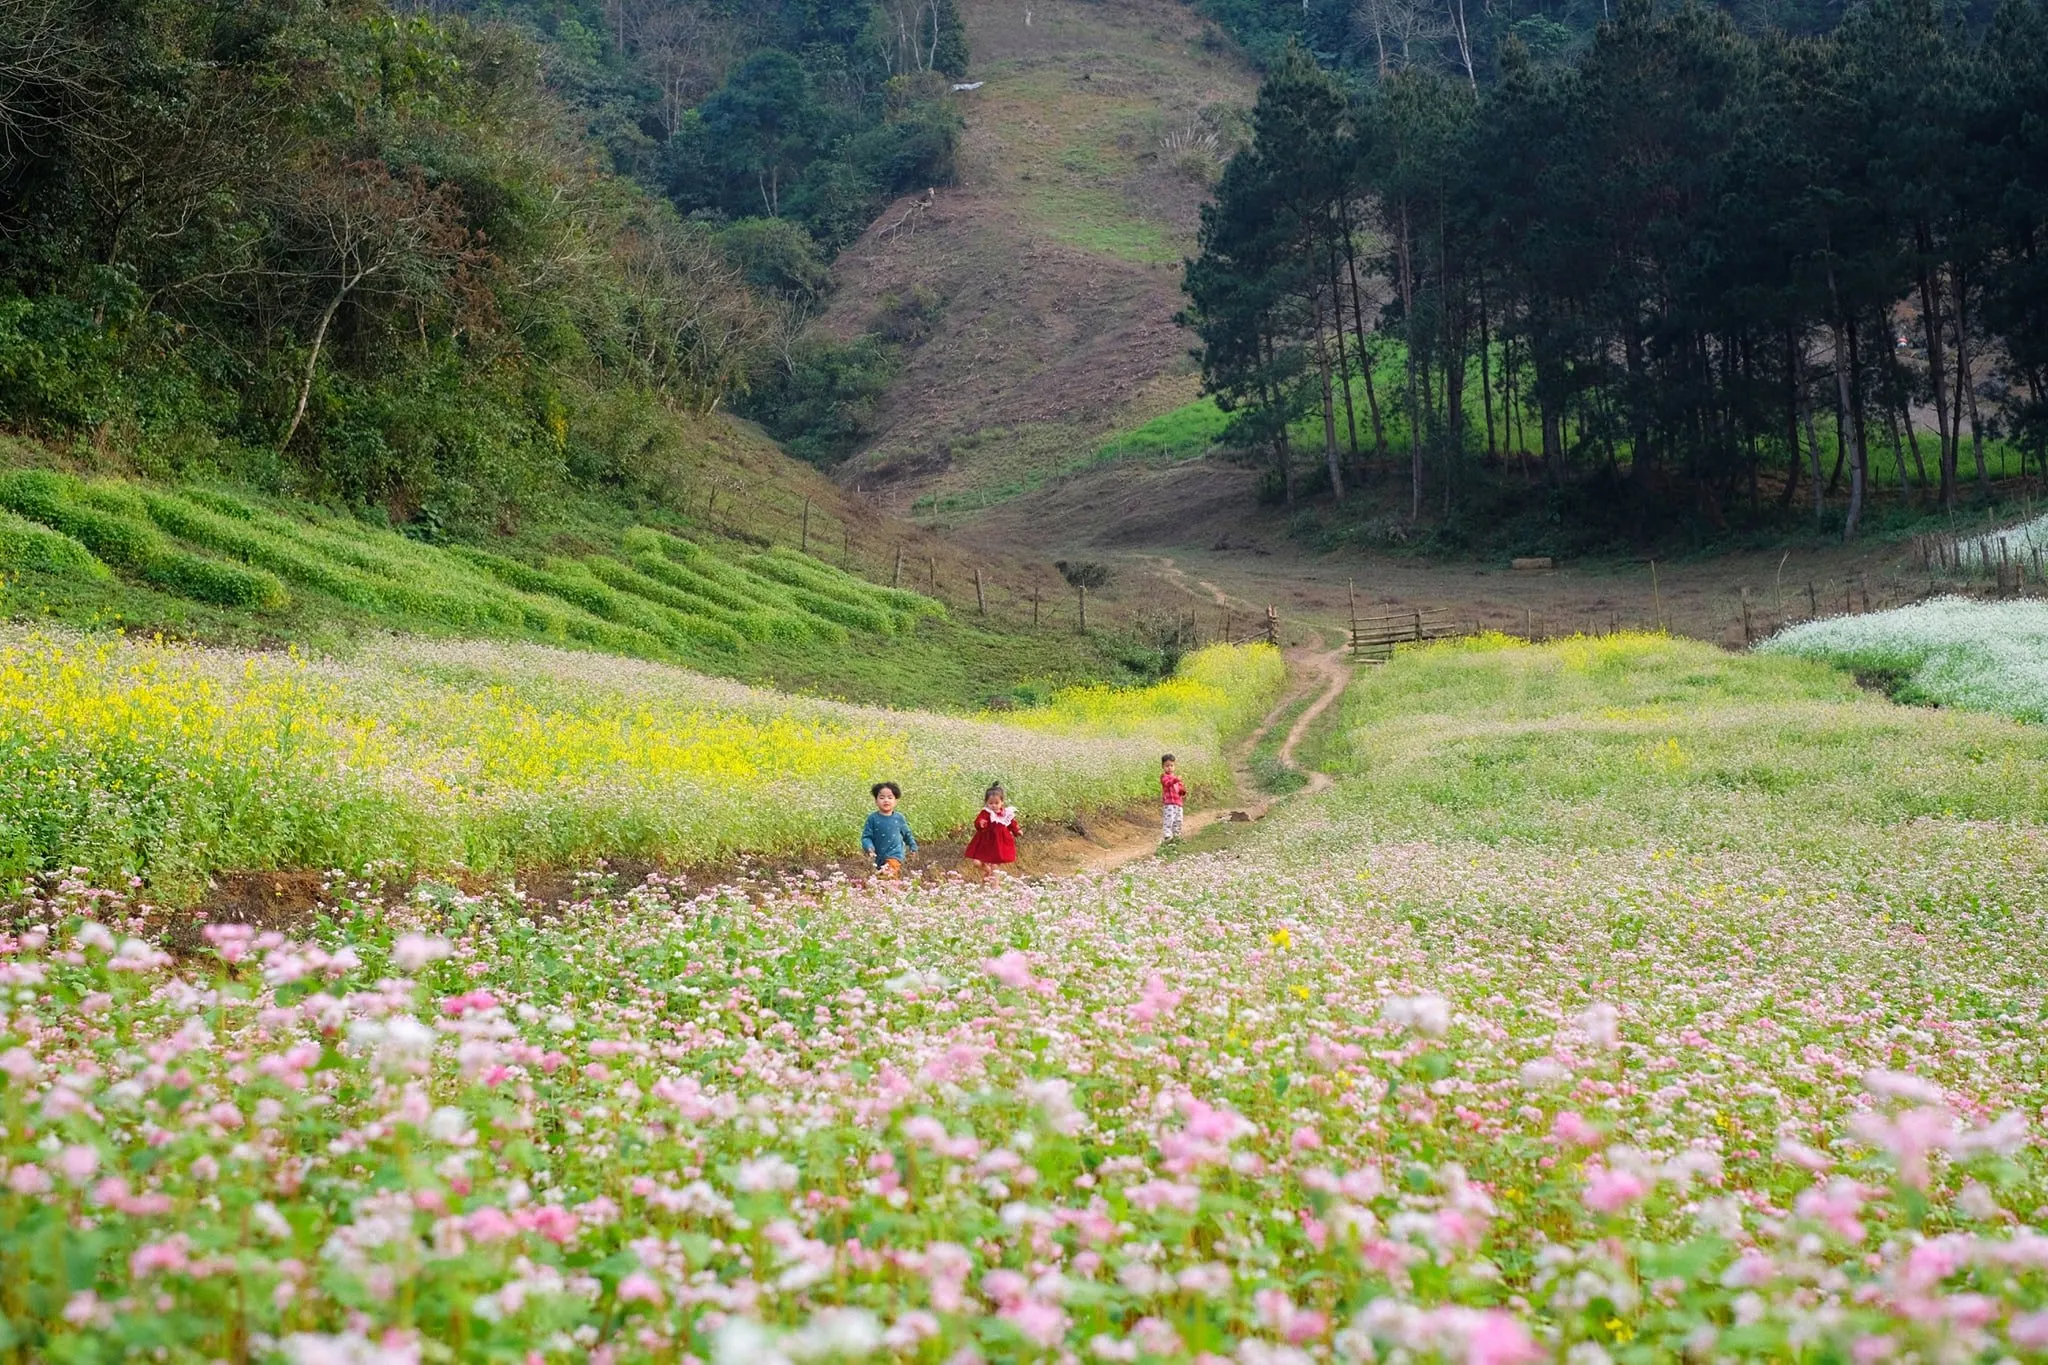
point(658, 597)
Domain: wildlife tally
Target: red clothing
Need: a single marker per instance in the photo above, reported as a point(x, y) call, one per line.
point(1172, 791)
point(994, 841)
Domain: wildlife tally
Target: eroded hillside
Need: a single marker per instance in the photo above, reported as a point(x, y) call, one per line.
point(1056, 259)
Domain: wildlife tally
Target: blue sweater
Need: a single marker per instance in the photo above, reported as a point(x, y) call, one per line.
point(886, 836)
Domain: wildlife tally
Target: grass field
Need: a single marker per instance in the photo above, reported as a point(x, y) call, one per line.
point(1626, 1001)
point(171, 764)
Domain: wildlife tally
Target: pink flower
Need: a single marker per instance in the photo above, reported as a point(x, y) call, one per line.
point(1041, 1323)
point(1499, 1339)
point(1837, 1206)
point(551, 1221)
point(1157, 1002)
point(78, 1163)
point(167, 1255)
point(639, 1287)
point(1305, 1139)
point(2028, 1331)
point(1570, 1129)
point(414, 951)
point(489, 1225)
point(29, 1178)
point(1013, 969)
point(1610, 1191)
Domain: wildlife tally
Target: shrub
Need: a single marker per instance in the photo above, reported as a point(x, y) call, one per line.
point(27, 545)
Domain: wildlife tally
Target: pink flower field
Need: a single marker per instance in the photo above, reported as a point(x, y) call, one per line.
point(1416, 1103)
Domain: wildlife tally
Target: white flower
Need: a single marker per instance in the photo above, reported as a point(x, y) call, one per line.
point(836, 1332)
point(1601, 1023)
point(1429, 1015)
point(414, 951)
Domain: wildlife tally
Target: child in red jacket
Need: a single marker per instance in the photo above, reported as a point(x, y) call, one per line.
point(995, 833)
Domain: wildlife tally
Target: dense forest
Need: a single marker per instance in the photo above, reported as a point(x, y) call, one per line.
point(1378, 37)
point(1691, 271)
point(441, 259)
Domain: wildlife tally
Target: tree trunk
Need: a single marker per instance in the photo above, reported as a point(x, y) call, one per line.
point(1486, 370)
point(1330, 456)
point(313, 363)
point(1414, 389)
point(1966, 383)
point(1859, 457)
point(1343, 358)
point(1372, 398)
point(1930, 318)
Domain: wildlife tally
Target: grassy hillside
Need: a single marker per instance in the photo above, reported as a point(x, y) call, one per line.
point(700, 565)
point(1055, 259)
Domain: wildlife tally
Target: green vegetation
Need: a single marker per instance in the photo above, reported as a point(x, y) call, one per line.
point(1611, 259)
point(1269, 774)
point(172, 763)
point(1653, 742)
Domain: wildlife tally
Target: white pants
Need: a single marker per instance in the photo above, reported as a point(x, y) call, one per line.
point(1169, 822)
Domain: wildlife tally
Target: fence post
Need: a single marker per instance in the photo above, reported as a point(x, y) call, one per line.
point(980, 601)
point(1748, 630)
point(1812, 599)
point(1418, 625)
point(932, 574)
point(1272, 625)
point(1036, 597)
point(896, 578)
point(846, 547)
point(1863, 588)
point(805, 544)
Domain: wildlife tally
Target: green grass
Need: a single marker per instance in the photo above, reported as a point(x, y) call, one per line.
point(1646, 741)
point(1088, 218)
point(1269, 774)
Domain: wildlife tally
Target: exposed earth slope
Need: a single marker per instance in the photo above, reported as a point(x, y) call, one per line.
point(1057, 256)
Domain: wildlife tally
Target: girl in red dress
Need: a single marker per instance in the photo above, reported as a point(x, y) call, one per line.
point(995, 834)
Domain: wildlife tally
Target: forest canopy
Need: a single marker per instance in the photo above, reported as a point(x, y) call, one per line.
point(1659, 273)
point(432, 261)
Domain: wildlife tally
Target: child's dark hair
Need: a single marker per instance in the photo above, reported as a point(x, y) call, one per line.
point(1165, 759)
point(994, 790)
point(889, 787)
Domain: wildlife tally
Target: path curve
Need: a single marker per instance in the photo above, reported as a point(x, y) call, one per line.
point(1324, 672)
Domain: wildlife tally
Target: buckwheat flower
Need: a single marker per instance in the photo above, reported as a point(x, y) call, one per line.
point(414, 951)
point(1156, 1336)
point(1039, 1322)
point(1837, 1206)
point(907, 1331)
point(639, 1287)
point(765, 1173)
point(19, 1064)
point(2028, 1331)
point(84, 1310)
point(1898, 1085)
point(1105, 1347)
point(1601, 1023)
point(77, 1163)
point(847, 1333)
point(1157, 1001)
point(1208, 1279)
point(1570, 1129)
point(1543, 1074)
point(30, 1179)
point(1609, 1192)
point(1013, 969)
point(1429, 1015)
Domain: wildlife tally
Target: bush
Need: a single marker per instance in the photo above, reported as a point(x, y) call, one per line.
point(26, 545)
point(821, 403)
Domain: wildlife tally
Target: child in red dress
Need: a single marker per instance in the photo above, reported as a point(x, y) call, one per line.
point(995, 834)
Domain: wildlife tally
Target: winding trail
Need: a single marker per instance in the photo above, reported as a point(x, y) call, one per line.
point(1321, 673)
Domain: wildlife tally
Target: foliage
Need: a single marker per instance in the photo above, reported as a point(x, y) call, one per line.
point(171, 763)
point(1666, 269)
point(1356, 1090)
point(673, 600)
point(819, 400)
point(1947, 651)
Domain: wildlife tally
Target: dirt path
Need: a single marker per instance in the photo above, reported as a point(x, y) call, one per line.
point(1320, 673)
